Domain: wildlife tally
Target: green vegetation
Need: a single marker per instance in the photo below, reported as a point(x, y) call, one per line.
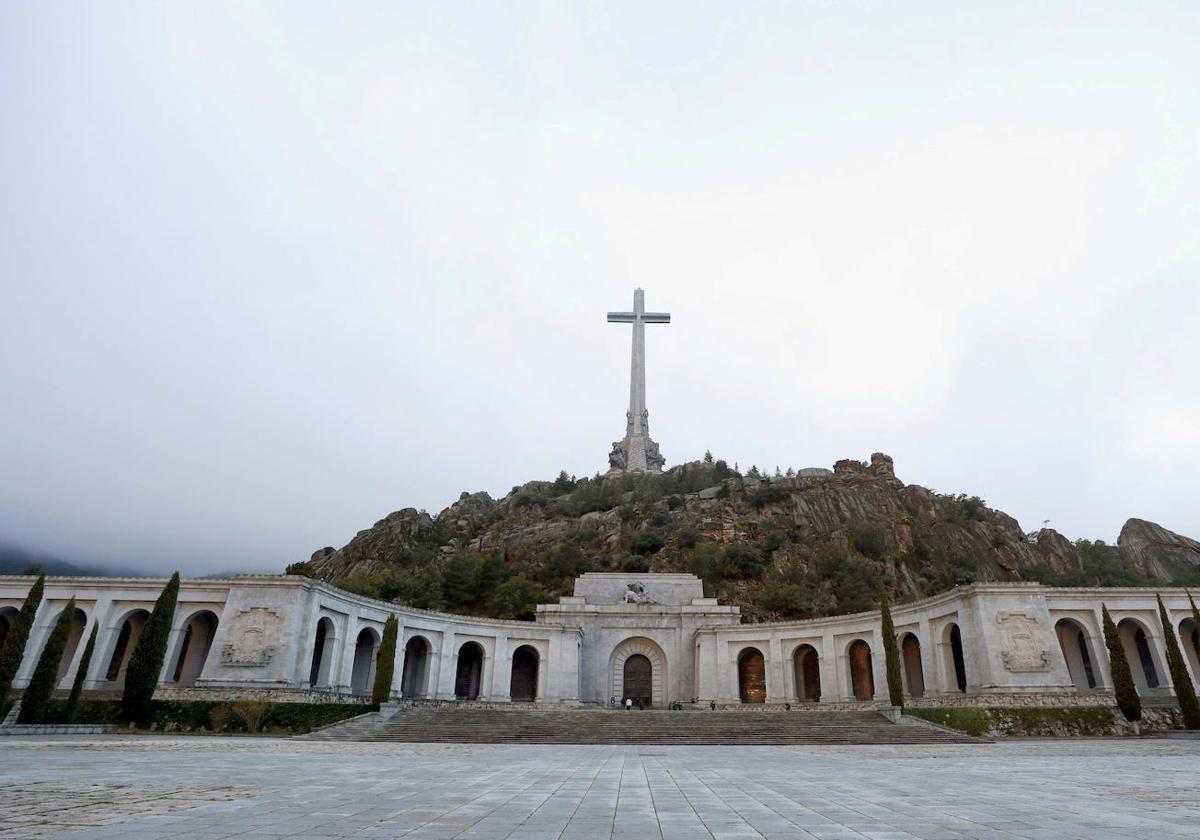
point(146, 661)
point(891, 650)
point(45, 674)
point(85, 662)
point(1185, 692)
point(197, 715)
point(13, 651)
point(1023, 722)
point(1099, 565)
point(962, 508)
point(518, 598)
point(385, 662)
point(1128, 700)
point(854, 582)
point(871, 542)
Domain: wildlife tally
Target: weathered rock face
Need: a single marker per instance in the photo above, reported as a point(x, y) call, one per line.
point(919, 539)
point(1152, 550)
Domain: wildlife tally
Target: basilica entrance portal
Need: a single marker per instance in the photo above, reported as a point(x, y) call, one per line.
point(639, 680)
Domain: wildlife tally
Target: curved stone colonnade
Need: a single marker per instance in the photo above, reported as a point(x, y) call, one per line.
point(653, 639)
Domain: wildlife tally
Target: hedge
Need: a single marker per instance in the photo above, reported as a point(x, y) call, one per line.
point(1034, 722)
point(195, 715)
point(12, 652)
point(146, 661)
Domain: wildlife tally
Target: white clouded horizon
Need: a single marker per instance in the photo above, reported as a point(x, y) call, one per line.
point(270, 271)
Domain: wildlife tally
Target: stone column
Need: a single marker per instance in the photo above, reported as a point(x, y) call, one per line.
point(1101, 668)
point(776, 682)
point(501, 674)
point(879, 666)
point(342, 668)
point(398, 667)
point(43, 623)
point(443, 680)
point(174, 639)
point(832, 690)
point(707, 671)
point(100, 617)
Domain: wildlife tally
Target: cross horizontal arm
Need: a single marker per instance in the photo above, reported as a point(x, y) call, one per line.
point(657, 317)
point(622, 317)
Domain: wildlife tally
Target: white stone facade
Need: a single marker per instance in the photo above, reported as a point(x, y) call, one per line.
point(292, 636)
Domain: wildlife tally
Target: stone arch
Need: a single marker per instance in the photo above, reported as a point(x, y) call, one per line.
point(955, 660)
point(125, 634)
point(913, 671)
point(752, 676)
point(1139, 650)
point(523, 682)
point(1078, 653)
point(639, 646)
point(74, 635)
point(324, 645)
point(862, 671)
point(362, 675)
point(1189, 643)
point(414, 678)
point(468, 676)
point(806, 672)
point(198, 632)
point(7, 616)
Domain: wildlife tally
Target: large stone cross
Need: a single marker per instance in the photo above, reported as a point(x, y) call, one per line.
point(636, 452)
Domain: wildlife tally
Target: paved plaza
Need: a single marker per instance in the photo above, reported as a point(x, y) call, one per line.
point(207, 788)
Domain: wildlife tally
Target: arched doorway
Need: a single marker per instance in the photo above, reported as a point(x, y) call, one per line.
point(956, 663)
point(1076, 651)
point(415, 676)
point(752, 676)
point(127, 638)
point(1189, 643)
point(862, 677)
point(523, 685)
point(914, 673)
point(193, 650)
point(639, 646)
point(363, 674)
point(806, 671)
point(322, 658)
point(1136, 642)
point(639, 681)
point(469, 673)
point(78, 625)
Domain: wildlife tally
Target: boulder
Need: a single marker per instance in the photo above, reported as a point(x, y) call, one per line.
point(1152, 550)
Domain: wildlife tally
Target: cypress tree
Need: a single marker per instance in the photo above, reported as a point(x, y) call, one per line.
point(14, 645)
point(1127, 697)
point(385, 662)
point(146, 661)
point(1185, 692)
point(80, 674)
point(891, 650)
point(45, 676)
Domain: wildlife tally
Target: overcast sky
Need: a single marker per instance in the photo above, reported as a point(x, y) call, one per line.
point(270, 271)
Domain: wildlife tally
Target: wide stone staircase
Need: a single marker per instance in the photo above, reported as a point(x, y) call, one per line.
point(589, 726)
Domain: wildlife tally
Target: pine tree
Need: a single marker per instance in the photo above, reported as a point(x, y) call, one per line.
point(1127, 697)
point(385, 662)
point(1185, 692)
point(13, 651)
point(36, 701)
point(891, 650)
point(85, 662)
point(146, 661)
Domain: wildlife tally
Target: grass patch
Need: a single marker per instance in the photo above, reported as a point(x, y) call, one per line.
point(1024, 722)
point(196, 715)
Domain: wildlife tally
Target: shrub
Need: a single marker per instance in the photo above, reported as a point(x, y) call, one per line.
point(85, 662)
point(687, 536)
point(251, 713)
point(146, 661)
point(1128, 700)
point(648, 541)
point(385, 663)
point(891, 653)
point(13, 651)
point(767, 494)
point(633, 564)
point(744, 559)
point(1185, 692)
point(45, 675)
point(870, 541)
point(517, 597)
point(220, 717)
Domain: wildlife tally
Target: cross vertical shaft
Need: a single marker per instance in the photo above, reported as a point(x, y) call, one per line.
point(637, 452)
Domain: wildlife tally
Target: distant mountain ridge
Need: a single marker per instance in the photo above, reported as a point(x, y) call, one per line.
point(15, 560)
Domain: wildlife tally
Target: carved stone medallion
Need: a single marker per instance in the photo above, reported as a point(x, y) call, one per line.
point(252, 638)
point(1022, 644)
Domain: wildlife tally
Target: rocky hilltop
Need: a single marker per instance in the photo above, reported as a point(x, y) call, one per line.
point(799, 544)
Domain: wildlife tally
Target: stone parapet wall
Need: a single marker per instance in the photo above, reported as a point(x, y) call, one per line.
point(271, 695)
point(1057, 700)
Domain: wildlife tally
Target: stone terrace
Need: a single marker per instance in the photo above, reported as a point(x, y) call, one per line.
point(193, 788)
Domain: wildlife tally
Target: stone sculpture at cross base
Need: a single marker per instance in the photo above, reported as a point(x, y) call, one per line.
point(636, 452)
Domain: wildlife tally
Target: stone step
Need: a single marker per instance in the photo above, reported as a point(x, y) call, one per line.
point(492, 726)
